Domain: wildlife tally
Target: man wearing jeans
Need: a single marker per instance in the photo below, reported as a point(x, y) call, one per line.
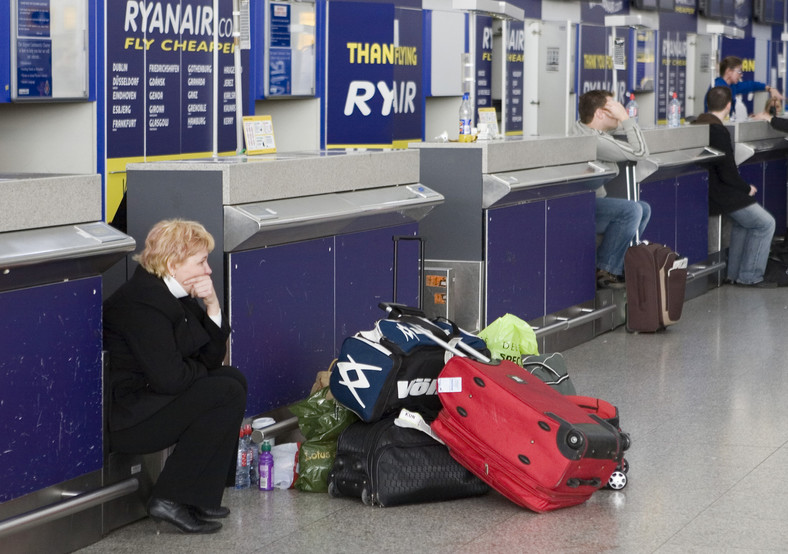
point(618, 219)
point(730, 195)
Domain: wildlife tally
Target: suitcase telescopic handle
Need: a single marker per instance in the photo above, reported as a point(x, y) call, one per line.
point(461, 349)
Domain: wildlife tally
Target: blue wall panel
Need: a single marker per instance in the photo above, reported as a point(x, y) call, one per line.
point(661, 196)
point(692, 216)
point(515, 261)
point(282, 315)
point(50, 385)
point(570, 260)
point(364, 277)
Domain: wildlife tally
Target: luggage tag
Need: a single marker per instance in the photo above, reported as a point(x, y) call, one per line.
point(413, 420)
point(449, 384)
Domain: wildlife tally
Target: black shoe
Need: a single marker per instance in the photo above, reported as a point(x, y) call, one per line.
point(179, 516)
point(759, 285)
point(209, 513)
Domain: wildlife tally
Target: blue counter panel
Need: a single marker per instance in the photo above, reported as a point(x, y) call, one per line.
point(692, 219)
point(364, 277)
point(776, 193)
point(571, 247)
point(515, 261)
point(282, 316)
point(50, 385)
point(661, 196)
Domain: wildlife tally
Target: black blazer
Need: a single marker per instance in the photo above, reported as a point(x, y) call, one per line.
point(158, 347)
point(728, 191)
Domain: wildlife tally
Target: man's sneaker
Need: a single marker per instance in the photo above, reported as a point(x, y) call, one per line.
point(606, 280)
point(759, 285)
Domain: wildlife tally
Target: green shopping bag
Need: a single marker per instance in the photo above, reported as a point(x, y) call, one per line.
point(510, 338)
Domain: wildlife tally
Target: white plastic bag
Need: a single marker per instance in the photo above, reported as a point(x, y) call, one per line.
point(285, 464)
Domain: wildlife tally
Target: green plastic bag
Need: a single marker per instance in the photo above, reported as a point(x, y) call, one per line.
point(321, 417)
point(321, 420)
point(315, 460)
point(510, 338)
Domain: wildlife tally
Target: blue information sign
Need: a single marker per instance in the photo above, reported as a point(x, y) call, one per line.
point(34, 68)
point(33, 18)
point(280, 57)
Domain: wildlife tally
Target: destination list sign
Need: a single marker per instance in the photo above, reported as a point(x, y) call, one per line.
point(160, 78)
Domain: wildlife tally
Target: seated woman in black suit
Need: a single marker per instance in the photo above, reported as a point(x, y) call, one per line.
point(168, 384)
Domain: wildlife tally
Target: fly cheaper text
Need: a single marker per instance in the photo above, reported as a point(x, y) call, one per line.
point(397, 96)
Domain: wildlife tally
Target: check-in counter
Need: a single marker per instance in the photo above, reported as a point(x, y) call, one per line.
point(516, 233)
point(53, 251)
point(674, 181)
point(761, 155)
point(304, 250)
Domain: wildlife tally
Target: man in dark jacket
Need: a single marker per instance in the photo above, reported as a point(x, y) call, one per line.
point(732, 196)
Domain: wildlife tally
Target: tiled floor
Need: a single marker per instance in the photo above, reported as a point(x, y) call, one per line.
point(705, 403)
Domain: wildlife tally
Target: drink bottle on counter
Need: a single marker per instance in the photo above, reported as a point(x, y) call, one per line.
point(266, 468)
point(466, 115)
point(632, 107)
point(674, 112)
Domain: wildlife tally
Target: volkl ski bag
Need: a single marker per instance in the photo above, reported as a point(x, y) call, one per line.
point(385, 464)
point(532, 444)
point(395, 365)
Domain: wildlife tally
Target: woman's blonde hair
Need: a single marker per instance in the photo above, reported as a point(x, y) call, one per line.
point(173, 240)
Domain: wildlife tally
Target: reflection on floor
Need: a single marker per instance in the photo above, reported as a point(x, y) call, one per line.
point(704, 403)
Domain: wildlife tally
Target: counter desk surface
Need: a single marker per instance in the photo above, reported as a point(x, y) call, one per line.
point(246, 179)
point(35, 200)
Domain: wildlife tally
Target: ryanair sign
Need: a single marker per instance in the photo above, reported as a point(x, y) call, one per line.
point(373, 90)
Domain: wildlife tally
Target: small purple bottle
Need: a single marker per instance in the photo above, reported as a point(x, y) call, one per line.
point(266, 468)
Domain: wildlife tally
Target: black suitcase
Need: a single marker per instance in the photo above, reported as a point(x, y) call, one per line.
point(656, 279)
point(387, 465)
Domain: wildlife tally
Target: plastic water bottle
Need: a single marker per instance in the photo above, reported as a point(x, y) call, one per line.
point(242, 464)
point(251, 450)
point(466, 115)
point(266, 468)
point(632, 107)
point(674, 112)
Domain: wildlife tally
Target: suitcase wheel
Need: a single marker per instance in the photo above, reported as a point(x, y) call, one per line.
point(332, 490)
point(623, 466)
point(617, 481)
point(626, 441)
point(575, 440)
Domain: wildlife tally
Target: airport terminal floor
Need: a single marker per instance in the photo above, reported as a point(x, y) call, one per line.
point(704, 402)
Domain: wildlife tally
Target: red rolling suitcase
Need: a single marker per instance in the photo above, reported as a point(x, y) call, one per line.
point(656, 280)
point(532, 444)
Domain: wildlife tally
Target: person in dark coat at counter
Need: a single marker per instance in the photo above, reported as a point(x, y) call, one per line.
point(168, 384)
point(730, 195)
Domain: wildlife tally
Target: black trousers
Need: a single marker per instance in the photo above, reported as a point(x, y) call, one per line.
point(203, 424)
